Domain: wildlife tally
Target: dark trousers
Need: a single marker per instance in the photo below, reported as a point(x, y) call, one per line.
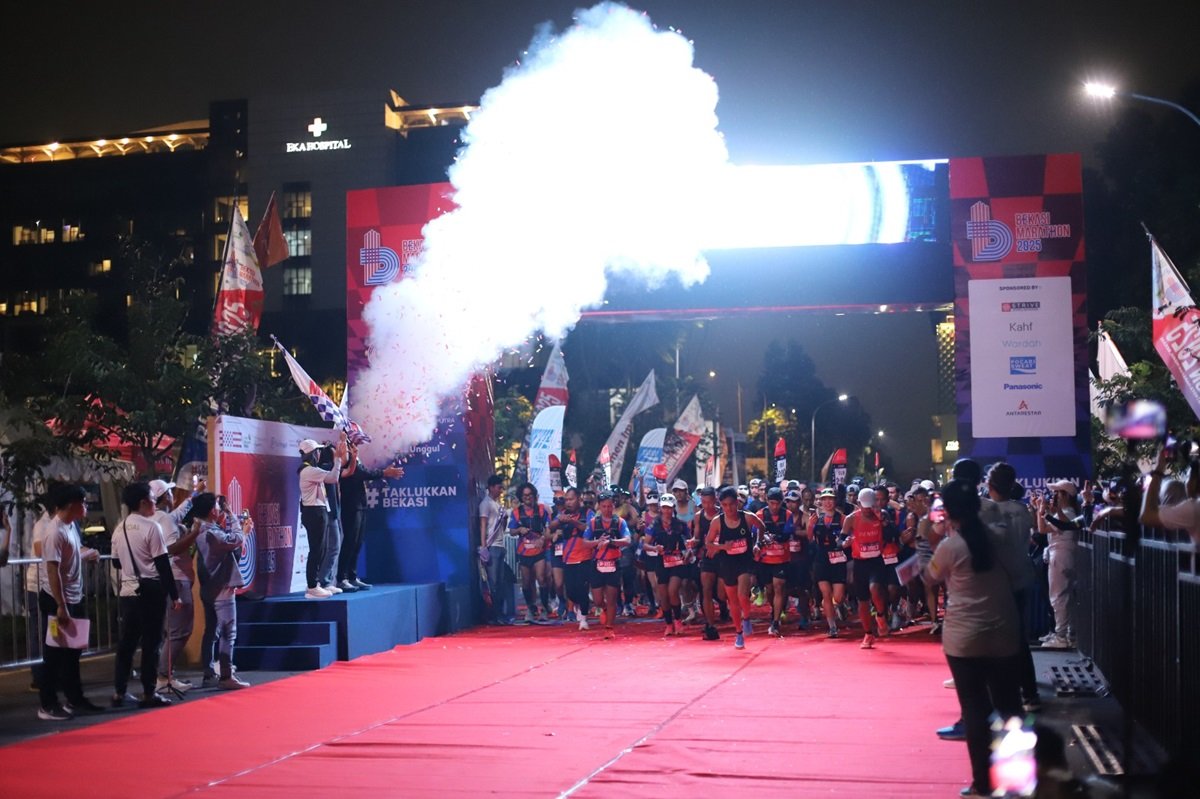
point(575, 581)
point(315, 519)
point(35, 635)
point(352, 539)
point(1027, 677)
point(142, 619)
point(501, 582)
point(60, 666)
point(985, 685)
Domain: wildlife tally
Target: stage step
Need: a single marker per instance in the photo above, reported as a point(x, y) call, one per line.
point(286, 646)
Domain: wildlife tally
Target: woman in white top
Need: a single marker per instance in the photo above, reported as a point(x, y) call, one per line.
point(314, 505)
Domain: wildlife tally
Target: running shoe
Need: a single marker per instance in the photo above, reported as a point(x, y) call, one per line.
point(173, 684)
point(1048, 636)
point(747, 627)
point(609, 633)
point(529, 619)
point(739, 642)
point(710, 633)
point(232, 683)
point(583, 625)
point(670, 631)
point(691, 616)
point(759, 598)
point(936, 629)
point(1057, 642)
point(360, 585)
point(948, 683)
point(678, 627)
point(56, 713)
point(868, 642)
point(773, 629)
point(882, 624)
point(833, 632)
point(317, 592)
point(570, 616)
point(955, 732)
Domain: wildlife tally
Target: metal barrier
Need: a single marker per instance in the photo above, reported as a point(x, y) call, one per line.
point(1138, 617)
point(21, 626)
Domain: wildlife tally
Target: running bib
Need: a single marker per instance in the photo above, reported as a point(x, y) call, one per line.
point(737, 547)
point(606, 566)
point(670, 561)
point(795, 545)
point(891, 560)
point(558, 550)
point(868, 551)
point(837, 556)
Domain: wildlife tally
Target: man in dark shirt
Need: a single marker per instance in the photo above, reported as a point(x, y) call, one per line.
point(354, 505)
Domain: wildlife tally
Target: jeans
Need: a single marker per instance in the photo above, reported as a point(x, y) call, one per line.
point(179, 630)
point(208, 654)
point(141, 622)
point(985, 685)
point(60, 666)
point(502, 583)
point(333, 547)
point(225, 614)
point(1061, 553)
point(1027, 677)
point(352, 539)
point(315, 519)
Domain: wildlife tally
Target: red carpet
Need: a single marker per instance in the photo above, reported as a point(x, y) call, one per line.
point(541, 712)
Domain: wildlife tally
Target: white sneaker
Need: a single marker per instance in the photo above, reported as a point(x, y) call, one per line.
point(529, 619)
point(948, 683)
point(691, 616)
point(317, 593)
point(1057, 643)
point(333, 589)
point(583, 625)
point(1048, 636)
point(177, 685)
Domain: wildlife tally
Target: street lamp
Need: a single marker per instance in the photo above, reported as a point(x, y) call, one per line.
point(1105, 91)
point(813, 433)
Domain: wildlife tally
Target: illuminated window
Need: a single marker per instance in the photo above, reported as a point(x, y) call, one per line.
point(223, 207)
point(297, 280)
point(3, 308)
point(33, 234)
point(71, 233)
point(297, 201)
point(218, 248)
point(299, 242)
point(100, 267)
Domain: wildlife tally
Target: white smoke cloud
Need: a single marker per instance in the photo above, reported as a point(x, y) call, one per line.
point(593, 156)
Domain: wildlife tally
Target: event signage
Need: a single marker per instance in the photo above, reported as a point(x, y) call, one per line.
point(255, 464)
point(1020, 314)
point(1022, 357)
point(545, 444)
point(317, 128)
point(644, 398)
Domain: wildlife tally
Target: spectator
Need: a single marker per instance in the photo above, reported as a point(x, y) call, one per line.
point(314, 506)
point(140, 552)
point(981, 633)
point(220, 577)
point(180, 619)
point(491, 537)
point(35, 629)
point(353, 489)
point(1181, 515)
point(61, 596)
point(1059, 519)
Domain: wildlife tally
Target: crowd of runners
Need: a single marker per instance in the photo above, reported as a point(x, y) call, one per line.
point(708, 558)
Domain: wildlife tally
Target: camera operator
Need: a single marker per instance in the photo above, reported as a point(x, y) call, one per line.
point(220, 577)
point(314, 506)
point(1183, 515)
point(146, 581)
point(1059, 519)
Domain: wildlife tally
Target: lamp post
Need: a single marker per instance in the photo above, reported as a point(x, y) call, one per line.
point(1104, 91)
point(812, 446)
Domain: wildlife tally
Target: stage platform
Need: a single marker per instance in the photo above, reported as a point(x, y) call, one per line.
point(293, 633)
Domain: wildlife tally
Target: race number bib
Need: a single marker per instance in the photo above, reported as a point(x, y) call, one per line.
point(837, 556)
point(736, 547)
point(868, 551)
point(795, 545)
point(671, 560)
point(606, 566)
point(558, 550)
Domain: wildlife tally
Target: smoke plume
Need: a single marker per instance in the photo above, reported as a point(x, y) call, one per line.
point(592, 157)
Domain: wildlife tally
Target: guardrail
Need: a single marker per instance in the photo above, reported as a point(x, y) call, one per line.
point(1138, 612)
point(21, 626)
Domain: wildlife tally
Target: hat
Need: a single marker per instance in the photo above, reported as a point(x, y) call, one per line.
point(775, 493)
point(928, 485)
point(158, 488)
point(866, 497)
point(792, 496)
point(1064, 485)
point(827, 492)
point(793, 485)
point(308, 445)
point(667, 501)
point(852, 489)
point(653, 499)
point(743, 491)
point(678, 484)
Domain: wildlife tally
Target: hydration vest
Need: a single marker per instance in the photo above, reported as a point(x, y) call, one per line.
point(828, 530)
point(613, 530)
point(775, 551)
point(534, 542)
point(733, 535)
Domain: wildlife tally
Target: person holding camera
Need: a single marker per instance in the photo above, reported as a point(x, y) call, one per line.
point(140, 551)
point(1183, 515)
point(179, 547)
point(218, 547)
point(314, 506)
point(1059, 519)
point(353, 490)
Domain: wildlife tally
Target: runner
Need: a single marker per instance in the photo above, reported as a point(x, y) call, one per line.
point(864, 528)
point(800, 564)
point(650, 557)
point(566, 522)
point(529, 520)
point(667, 535)
point(578, 566)
point(611, 534)
point(631, 582)
point(829, 555)
point(730, 538)
point(706, 566)
point(893, 549)
point(773, 556)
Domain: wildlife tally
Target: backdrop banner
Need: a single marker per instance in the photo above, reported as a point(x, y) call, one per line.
point(256, 465)
point(1020, 315)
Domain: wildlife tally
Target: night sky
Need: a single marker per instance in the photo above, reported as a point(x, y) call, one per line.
point(799, 82)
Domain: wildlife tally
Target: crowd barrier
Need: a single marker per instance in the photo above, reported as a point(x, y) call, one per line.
point(21, 631)
point(1137, 616)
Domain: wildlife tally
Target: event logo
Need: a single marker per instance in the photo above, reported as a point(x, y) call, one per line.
point(1023, 409)
point(246, 558)
point(991, 239)
point(1022, 365)
point(317, 129)
point(1009, 307)
point(380, 264)
point(372, 495)
point(236, 440)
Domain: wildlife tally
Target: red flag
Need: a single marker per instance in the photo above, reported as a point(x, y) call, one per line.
point(240, 298)
point(269, 244)
point(780, 448)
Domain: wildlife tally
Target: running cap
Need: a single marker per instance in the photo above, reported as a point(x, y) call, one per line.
point(604, 496)
point(827, 493)
point(927, 485)
point(652, 499)
point(775, 493)
point(308, 445)
point(743, 492)
point(679, 484)
point(158, 488)
point(866, 497)
point(667, 501)
point(1064, 485)
point(793, 485)
point(792, 496)
point(755, 481)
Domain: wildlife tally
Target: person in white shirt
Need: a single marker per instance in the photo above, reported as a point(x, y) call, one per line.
point(314, 506)
point(179, 547)
point(1183, 515)
point(140, 551)
point(60, 595)
point(492, 550)
point(35, 630)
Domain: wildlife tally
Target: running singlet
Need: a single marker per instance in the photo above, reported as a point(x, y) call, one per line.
point(868, 537)
point(891, 538)
point(571, 535)
point(738, 537)
point(608, 556)
point(534, 542)
point(671, 541)
point(827, 533)
point(773, 544)
point(701, 524)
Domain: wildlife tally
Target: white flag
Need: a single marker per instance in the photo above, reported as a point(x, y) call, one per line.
point(644, 398)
